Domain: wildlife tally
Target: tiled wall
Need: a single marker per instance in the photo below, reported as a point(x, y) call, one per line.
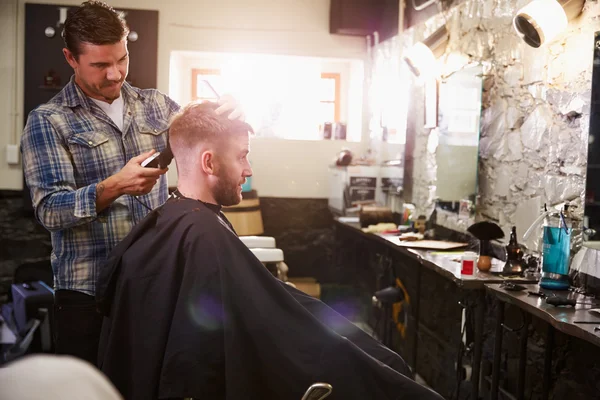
point(22, 240)
point(303, 229)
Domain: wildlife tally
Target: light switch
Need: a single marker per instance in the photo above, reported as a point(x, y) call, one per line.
point(12, 154)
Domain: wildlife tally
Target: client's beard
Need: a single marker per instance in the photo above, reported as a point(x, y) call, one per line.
point(227, 191)
point(226, 194)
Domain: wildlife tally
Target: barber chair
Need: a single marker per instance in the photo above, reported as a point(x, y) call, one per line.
point(385, 298)
point(318, 391)
point(265, 250)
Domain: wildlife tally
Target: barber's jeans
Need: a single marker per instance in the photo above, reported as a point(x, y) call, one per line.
point(77, 325)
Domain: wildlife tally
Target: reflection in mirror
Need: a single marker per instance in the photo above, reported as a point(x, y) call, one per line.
point(458, 140)
point(592, 189)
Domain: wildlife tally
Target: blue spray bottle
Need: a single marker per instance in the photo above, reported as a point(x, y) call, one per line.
point(556, 250)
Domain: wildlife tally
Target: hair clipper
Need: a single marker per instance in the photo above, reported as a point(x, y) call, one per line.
point(160, 159)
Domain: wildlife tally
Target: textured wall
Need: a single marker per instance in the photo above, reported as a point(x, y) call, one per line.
point(533, 150)
point(535, 117)
point(303, 230)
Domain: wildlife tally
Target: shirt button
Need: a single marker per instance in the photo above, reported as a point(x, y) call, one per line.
point(90, 143)
point(156, 130)
point(129, 113)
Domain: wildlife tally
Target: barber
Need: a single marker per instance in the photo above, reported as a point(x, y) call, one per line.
point(82, 155)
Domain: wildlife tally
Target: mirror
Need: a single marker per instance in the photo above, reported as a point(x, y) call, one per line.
point(457, 152)
point(592, 187)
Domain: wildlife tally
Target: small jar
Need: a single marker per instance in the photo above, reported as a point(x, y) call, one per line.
point(467, 265)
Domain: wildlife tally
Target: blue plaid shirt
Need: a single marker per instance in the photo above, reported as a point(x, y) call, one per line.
point(69, 145)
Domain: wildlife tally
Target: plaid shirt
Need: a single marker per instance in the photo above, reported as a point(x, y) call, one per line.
point(69, 145)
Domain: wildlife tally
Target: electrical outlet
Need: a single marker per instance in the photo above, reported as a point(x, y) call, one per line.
point(12, 154)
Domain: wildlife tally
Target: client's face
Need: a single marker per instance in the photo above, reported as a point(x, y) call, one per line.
point(232, 170)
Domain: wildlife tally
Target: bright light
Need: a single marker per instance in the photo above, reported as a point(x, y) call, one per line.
point(388, 97)
point(540, 21)
point(281, 95)
point(455, 61)
point(278, 94)
point(421, 60)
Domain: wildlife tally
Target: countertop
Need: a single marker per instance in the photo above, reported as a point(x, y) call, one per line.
point(445, 263)
point(562, 318)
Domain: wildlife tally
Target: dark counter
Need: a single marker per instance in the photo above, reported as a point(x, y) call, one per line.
point(561, 318)
point(429, 335)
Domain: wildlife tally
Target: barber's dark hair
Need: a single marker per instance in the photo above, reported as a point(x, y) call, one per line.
point(93, 22)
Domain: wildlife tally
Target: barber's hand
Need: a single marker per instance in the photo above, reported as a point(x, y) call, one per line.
point(229, 105)
point(135, 180)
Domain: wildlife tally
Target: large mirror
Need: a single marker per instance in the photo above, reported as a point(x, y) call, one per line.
point(458, 139)
point(592, 189)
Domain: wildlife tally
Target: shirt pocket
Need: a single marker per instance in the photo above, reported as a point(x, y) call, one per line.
point(153, 134)
point(88, 139)
point(95, 157)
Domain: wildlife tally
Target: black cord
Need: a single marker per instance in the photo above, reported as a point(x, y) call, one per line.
point(135, 220)
point(142, 203)
point(384, 265)
point(459, 356)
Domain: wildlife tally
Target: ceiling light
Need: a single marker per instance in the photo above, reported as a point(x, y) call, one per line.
point(421, 58)
point(541, 21)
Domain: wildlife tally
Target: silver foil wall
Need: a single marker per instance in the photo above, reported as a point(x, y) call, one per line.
point(535, 117)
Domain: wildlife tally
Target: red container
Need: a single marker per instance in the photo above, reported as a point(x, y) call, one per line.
point(468, 263)
point(467, 267)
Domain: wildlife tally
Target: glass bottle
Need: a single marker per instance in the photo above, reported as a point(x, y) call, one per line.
point(514, 254)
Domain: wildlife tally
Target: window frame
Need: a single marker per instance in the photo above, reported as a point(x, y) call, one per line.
point(202, 71)
point(336, 101)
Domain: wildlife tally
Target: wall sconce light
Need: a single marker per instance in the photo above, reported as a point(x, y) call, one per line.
point(133, 36)
point(421, 58)
point(49, 32)
point(540, 21)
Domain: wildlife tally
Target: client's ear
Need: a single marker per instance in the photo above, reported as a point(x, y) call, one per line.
point(208, 162)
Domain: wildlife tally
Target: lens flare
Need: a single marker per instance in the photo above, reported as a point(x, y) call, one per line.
point(206, 311)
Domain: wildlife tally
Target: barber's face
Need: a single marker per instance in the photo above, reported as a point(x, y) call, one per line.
point(100, 70)
point(233, 169)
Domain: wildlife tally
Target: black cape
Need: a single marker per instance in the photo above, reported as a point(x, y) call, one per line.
point(191, 312)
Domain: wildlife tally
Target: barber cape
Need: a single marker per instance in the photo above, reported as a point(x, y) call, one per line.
point(191, 312)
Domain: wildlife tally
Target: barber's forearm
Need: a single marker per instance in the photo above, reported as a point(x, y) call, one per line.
point(64, 209)
point(68, 208)
point(107, 192)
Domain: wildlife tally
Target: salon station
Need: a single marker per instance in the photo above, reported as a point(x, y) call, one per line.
point(426, 168)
